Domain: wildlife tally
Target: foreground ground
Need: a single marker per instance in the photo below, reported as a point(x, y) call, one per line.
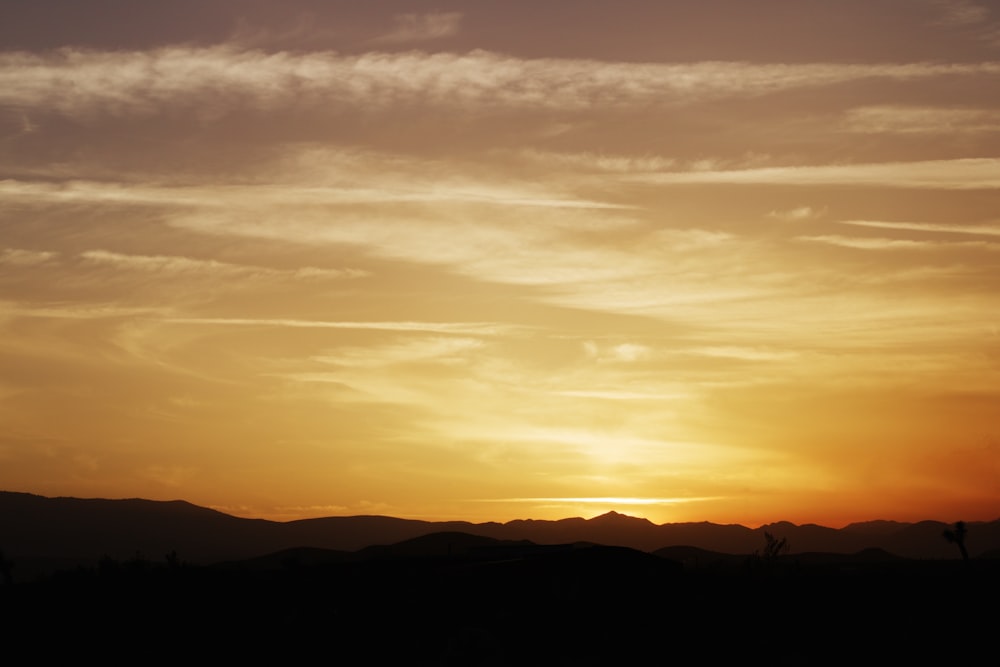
point(592, 606)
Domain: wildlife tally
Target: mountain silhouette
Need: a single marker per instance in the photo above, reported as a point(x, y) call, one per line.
point(41, 534)
point(381, 590)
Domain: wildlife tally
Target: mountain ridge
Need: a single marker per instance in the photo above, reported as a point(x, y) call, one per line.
point(40, 532)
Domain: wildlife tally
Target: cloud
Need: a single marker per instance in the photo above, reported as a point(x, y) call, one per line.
point(422, 27)
point(160, 263)
point(499, 244)
point(896, 119)
point(971, 19)
point(304, 30)
point(617, 395)
point(865, 243)
point(984, 230)
point(21, 258)
point(598, 162)
point(212, 82)
point(958, 174)
point(469, 328)
point(80, 312)
point(800, 213)
point(959, 12)
point(383, 190)
point(745, 353)
point(877, 243)
point(24, 126)
point(185, 265)
point(442, 350)
point(620, 353)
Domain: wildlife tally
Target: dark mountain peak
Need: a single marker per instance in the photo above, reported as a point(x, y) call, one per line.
point(614, 517)
point(779, 525)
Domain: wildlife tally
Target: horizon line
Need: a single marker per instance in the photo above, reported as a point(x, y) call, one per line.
point(244, 514)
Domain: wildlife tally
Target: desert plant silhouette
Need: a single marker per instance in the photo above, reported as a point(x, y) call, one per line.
point(957, 537)
point(773, 547)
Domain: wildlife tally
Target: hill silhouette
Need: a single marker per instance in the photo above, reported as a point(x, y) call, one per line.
point(41, 534)
point(183, 581)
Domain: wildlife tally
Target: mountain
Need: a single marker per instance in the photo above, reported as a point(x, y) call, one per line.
point(39, 534)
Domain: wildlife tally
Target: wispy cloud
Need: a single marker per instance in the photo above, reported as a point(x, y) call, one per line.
point(618, 353)
point(467, 328)
point(302, 31)
point(496, 245)
point(620, 395)
point(959, 12)
point(958, 174)
point(745, 353)
point(422, 27)
point(186, 265)
point(393, 190)
point(865, 243)
point(21, 257)
point(972, 19)
point(444, 350)
point(799, 213)
point(598, 162)
point(81, 311)
point(895, 119)
point(215, 81)
point(984, 230)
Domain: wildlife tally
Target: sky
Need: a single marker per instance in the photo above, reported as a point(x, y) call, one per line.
point(489, 260)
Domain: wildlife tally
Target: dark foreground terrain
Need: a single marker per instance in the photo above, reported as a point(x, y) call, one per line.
point(512, 604)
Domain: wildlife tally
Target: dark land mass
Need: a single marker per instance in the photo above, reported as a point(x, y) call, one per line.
point(43, 534)
point(142, 580)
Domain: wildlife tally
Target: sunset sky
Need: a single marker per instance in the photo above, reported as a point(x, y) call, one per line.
point(707, 260)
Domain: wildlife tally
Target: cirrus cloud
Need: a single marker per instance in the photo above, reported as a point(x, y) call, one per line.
point(222, 79)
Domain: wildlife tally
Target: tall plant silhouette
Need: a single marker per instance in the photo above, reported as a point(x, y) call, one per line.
point(957, 537)
point(774, 547)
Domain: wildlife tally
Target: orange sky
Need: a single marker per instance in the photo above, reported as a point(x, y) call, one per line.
point(693, 261)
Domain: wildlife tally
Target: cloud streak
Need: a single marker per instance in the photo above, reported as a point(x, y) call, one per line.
point(21, 258)
point(219, 80)
point(185, 266)
point(959, 12)
point(957, 174)
point(465, 328)
point(862, 243)
point(897, 119)
point(422, 27)
point(983, 230)
point(421, 190)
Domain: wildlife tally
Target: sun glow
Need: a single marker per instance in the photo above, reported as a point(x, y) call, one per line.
point(386, 267)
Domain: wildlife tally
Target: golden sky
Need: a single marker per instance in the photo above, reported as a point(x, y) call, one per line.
point(689, 260)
